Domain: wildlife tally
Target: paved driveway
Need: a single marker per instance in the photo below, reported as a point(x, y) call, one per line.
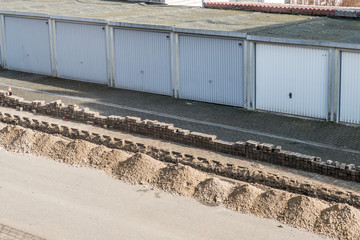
point(314, 137)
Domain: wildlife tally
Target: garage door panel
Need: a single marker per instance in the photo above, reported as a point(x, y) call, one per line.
point(292, 80)
point(81, 52)
point(211, 70)
point(28, 45)
point(142, 61)
point(350, 87)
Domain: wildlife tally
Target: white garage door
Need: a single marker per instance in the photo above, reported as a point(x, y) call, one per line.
point(28, 45)
point(350, 87)
point(81, 52)
point(142, 61)
point(211, 70)
point(292, 80)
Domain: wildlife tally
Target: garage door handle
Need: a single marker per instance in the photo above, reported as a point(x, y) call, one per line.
point(290, 95)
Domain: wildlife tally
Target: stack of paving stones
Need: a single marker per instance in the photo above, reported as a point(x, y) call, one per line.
point(289, 9)
point(159, 130)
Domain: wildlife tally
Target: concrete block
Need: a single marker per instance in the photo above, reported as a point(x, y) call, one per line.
point(133, 119)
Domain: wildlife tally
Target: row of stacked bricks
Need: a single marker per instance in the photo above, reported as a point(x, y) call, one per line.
point(111, 142)
point(271, 154)
point(158, 130)
point(200, 163)
point(211, 166)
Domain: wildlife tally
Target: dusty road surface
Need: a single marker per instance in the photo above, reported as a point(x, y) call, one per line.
point(56, 201)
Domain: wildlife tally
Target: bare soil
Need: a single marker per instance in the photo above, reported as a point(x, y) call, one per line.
point(323, 217)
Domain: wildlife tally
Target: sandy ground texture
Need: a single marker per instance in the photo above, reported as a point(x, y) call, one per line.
point(327, 218)
point(56, 201)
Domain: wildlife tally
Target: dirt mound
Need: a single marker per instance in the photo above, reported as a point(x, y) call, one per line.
point(243, 197)
point(213, 191)
point(76, 152)
point(139, 169)
point(57, 150)
point(101, 157)
point(303, 211)
point(9, 132)
point(180, 179)
point(341, 221)
point(271, 204)
point(43, 144)
point(17, 139)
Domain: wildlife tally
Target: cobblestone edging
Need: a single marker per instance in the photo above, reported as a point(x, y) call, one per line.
point(9, 233)
point(289, 9)
point(220, 168)
point(158, 130)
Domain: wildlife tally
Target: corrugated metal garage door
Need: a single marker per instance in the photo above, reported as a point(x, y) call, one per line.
point(142, 61)
point(292, 80)
point(350, 87)
point(211, 70)
point(28, 45)
point(81, 52)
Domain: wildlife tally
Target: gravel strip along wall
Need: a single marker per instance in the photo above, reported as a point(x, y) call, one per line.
point(159, 130)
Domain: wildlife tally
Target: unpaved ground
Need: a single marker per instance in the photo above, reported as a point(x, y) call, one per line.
point(255, 167)
point(328, 218)
point(58, 202)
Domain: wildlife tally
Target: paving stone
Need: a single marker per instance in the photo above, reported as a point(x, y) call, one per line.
point(222, 121)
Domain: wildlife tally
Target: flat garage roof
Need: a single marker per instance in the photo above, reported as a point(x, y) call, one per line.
point(253, 23)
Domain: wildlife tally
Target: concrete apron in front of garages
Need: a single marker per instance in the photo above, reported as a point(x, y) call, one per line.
point(319, 138)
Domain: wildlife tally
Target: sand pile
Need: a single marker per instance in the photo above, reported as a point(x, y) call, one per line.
point(339, 220)
point(302, 211)
point(271, 204)
point(180, 179)
point(213, 191)
point(73, 152)
point(46, 144)
point(57, 150)
point(77, 152)
point(96, 156)
point(101, 158)
point(139, 169)
point(243, 197)
point(17, 139)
